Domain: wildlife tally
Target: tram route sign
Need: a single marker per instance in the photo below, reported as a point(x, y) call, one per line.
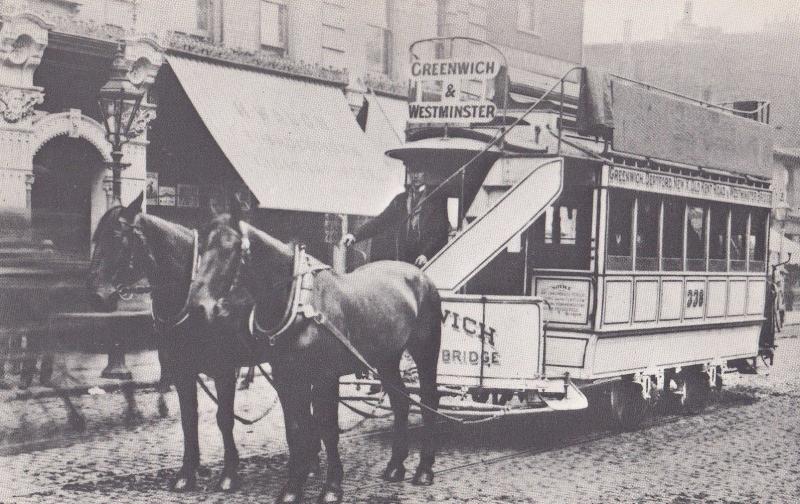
point(452, 90)
point(665, 183)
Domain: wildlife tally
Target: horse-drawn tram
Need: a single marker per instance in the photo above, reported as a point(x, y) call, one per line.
point(607, 233)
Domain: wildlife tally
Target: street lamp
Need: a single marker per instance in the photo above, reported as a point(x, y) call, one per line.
point(119, 101)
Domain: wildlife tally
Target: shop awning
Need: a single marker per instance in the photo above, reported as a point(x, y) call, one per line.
point(295, 143)
point(386, 121)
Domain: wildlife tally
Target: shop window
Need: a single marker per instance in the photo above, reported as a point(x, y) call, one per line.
point(738, 238)
point(672, 235)
point(648, 209)
point(379, 41)
point(695, 238)
point(273, 26)
point(717, 238)
point(620, 214)
point(757, 240)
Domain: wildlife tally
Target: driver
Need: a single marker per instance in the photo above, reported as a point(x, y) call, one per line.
point(417, 232)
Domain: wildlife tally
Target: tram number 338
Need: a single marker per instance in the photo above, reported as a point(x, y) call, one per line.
point(695, 297)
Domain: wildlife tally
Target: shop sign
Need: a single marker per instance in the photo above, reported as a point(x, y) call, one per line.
point(451, 91)
point(665, 183)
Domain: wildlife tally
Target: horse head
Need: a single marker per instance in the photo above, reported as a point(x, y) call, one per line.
point(232, 254)
point(115, 261)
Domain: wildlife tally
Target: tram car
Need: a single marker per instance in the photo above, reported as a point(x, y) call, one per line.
point(607, 233)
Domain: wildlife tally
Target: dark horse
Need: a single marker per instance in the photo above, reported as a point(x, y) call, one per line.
point(383, 308)
point(129, 245)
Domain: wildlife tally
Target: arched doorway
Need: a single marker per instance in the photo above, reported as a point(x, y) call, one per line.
point(66, 173)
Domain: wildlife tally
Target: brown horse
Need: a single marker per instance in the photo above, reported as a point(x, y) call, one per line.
point(383, 308)
point(130, 245)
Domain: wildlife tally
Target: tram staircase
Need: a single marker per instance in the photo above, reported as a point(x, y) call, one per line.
point(487, 236)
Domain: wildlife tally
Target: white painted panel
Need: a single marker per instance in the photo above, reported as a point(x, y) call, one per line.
point(566, 352)
point(716, 298)
point(617, 301)
point(620, 355)
point(671, 299)
point(506, 343)
point(695, 299)
point(488, 235)
point(737, 297)
point(756, 290)
point(646, 307)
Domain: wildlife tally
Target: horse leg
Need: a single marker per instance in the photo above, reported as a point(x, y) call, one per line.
point(294, 393)
point(393, 385)
point(186, 479)
point(226, 391)
point(429, 396)
point(325, 396)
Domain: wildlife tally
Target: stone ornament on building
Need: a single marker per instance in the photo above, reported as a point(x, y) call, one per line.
point(140, 122)
point(17, 104)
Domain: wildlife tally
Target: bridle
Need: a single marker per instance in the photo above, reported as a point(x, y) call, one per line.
point(298, 306)
point(125, 291)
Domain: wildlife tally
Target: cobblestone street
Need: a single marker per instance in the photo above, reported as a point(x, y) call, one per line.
point(744, 448)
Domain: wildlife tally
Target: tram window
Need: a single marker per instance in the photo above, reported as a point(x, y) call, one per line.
point(695, 238)
point(758, 223)
point(738, 238)
point(672, 235)
point(718, 231)
point(560, 225)
point(647, 211)
point(620, 213)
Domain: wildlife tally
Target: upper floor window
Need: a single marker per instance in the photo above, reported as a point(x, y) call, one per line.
point(203, 15)
point(379, 41)
point(273, 25)
point(333, 35)
point(527, 16)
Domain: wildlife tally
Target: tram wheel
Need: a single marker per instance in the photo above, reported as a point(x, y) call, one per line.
point(694, 389)
point(628, 405)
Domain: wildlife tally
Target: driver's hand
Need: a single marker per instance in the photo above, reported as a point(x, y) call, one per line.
point(348, 240)
point(421, 261)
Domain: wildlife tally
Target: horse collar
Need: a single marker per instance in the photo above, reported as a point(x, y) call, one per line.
point(299, 306)
point(183, 315)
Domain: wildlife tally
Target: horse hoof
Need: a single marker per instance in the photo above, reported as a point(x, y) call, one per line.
point(423, 477)
point(331, 494)
point(393, 474)
point(184, 484)
point(228, 484)
point(314, 468)
point(289, 497)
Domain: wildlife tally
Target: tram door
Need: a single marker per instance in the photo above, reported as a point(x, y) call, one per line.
point(64, 171)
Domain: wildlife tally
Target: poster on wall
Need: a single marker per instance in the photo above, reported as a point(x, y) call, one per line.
point(151, 192)
point(166, 195)
point(188, 196)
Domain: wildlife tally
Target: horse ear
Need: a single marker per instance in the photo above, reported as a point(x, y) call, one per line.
point(129, 212)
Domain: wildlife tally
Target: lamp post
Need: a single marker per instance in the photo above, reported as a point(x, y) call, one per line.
point(119, 101)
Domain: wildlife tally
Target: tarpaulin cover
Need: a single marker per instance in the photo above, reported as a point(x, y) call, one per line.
point(295, 143)
point(655, 124)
